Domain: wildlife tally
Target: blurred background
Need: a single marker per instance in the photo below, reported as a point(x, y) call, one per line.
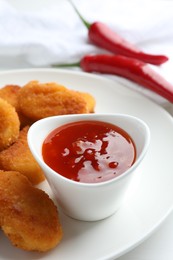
point(40, 33)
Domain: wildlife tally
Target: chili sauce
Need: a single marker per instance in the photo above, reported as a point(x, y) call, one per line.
point(89, 151)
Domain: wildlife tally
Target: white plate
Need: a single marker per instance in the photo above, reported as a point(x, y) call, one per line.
point(150, 197)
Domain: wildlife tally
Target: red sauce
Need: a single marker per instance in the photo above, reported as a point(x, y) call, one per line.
point(89, 151)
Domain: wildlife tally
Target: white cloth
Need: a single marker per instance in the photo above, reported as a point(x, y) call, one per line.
point(53, 33)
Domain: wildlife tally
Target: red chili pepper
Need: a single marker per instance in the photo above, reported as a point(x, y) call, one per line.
point(101, 35)
point(132, 69)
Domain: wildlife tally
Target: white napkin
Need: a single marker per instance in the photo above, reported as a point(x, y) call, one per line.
point(53, 33)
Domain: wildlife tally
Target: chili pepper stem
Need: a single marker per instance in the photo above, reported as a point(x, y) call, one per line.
point(87, 24)
point(75, 64)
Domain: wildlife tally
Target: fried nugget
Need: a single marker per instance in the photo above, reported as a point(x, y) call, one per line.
point(90, 100)
point(24, 121)
point(18, 157)
point(10, 94)
point(9, 124)
point(28, 216)
point(40, 100)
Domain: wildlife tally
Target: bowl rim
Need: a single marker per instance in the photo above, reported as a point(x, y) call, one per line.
point(40, 160)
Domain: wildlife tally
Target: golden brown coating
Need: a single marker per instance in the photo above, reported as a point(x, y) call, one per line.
point(9, 124)
point(18, 157)
point(40, 100)
point(90, 100)
point(28, 216)
point(10, 94)
point(24, 121)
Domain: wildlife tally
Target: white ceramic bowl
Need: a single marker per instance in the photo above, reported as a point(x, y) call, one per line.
point(89, 201)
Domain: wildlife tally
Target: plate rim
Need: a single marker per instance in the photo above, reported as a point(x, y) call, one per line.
point(88, 75)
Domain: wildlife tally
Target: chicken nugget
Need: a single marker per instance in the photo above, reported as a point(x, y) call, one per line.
point(18, 157)
point(9, 124)
point(24, 121)
point(28, 216)
point(10, 94)
point(40, 100)
point(90, 100)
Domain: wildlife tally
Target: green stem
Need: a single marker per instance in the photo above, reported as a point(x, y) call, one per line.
point(76, 64)
point(87, 24)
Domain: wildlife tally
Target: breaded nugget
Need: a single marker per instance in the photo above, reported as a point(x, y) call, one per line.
point(18, 157)
point(28, 216)
point(39, 100)
point(90, 100)
point(10, 94)
point(24, 121)
point(9, 124)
